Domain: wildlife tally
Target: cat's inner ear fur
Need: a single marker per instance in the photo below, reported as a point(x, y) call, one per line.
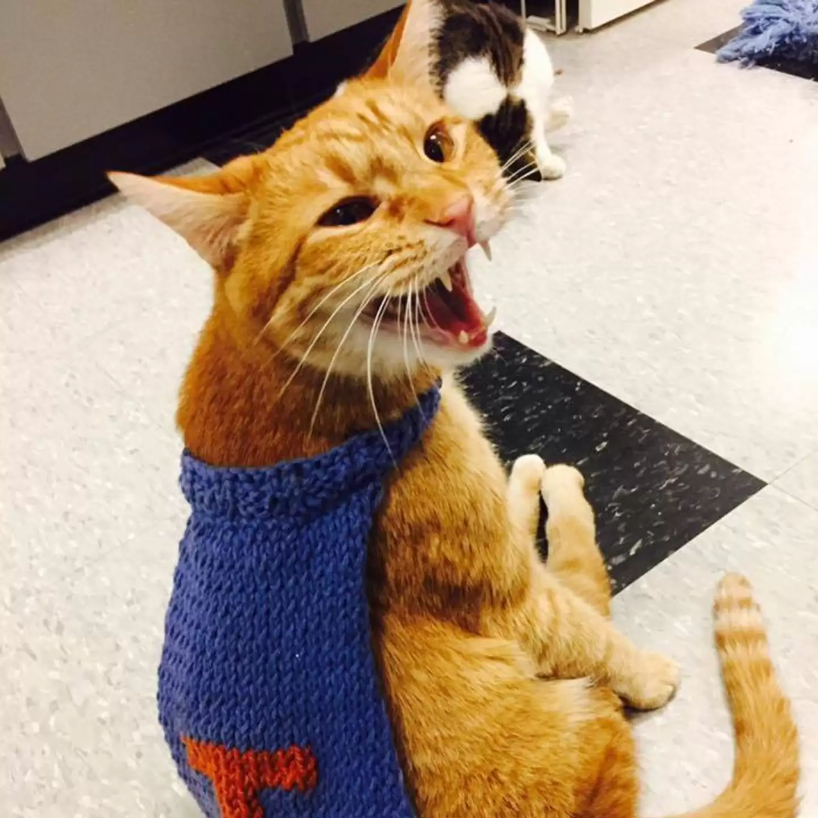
point(207, 211)
point(411, 49)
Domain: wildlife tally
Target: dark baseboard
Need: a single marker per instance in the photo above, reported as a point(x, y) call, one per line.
point(34, 192)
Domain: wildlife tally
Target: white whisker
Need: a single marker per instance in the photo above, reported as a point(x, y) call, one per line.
point(314, 341)
point(521, 174)
point(417, 336)
point(525, 147)
point(353, 321)
point(314, 310)
point(372, 334)
point(406, 303)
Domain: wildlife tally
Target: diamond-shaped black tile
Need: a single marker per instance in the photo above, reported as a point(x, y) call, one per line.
point(652, 488)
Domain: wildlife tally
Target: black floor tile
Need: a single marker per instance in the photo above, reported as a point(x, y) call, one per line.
point(805, 70)
point(653, 489)
point(712, 46)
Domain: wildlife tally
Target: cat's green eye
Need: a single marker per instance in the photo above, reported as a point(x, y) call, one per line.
point(438, 145)
point(349, 212)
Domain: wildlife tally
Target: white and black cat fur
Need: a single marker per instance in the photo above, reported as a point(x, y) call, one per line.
point(491, 68)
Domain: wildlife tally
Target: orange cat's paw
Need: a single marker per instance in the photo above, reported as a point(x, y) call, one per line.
point(652, 684)
point(528, 470)
point(561, 481)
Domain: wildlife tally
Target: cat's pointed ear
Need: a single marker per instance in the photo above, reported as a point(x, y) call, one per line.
point(410, 49)
point(206, 211)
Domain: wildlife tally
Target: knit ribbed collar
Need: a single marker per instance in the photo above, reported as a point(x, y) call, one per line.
point(310, 485)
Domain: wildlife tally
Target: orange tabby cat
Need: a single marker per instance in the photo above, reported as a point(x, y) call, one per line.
point(341, 284)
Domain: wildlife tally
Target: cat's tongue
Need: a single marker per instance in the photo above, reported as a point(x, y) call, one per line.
point(452, 312)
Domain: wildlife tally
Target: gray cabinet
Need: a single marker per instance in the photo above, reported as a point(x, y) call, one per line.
point(70, 69)
point(323, 17)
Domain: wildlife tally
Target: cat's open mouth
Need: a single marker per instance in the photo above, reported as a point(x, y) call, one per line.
point(445, 311)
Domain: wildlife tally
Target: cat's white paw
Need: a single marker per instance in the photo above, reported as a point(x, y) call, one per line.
point(528, 470)
point(563, 476)
point(551, 166)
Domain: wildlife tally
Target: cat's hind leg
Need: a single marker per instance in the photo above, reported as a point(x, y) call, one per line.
point(573, 555)
point(483, 737)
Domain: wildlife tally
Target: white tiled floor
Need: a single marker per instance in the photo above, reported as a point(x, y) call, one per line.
point(99, 313)
point(79, 662)
point(676, 265)
point(802, 480)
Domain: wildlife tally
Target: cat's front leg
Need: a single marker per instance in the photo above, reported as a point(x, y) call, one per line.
point(566, 625)
point(550, 165)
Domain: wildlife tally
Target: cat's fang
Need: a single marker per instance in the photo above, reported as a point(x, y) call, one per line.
point(486, 247)
point(464, 338)
point(446, 279)
point(490, 316)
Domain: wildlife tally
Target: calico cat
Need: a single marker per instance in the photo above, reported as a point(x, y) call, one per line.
point(340, 495)
point(489, 67)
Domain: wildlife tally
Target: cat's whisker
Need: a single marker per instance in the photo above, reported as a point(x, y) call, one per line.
point(320, 332)
point(524, 148)
point(524, 196)
point(521, 174)
point(414, 320)
point(370, 387)
point(526, 208)
point(523, 177)
point(314, 310)
point(406, 316)
point(366, 301)
point(501, 180)
point(417, 337)
point(524, 163)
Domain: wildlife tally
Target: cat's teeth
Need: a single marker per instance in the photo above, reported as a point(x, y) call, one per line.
point(486, 249)
point(446, 280)
point(490, 316)
point(464, 337)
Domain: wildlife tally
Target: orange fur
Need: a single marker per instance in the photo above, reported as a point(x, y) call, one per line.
point(503, 676)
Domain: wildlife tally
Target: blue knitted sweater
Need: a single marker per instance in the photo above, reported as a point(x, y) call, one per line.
point(268, 692)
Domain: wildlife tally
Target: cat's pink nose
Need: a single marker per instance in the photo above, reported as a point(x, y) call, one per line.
point(459, 218)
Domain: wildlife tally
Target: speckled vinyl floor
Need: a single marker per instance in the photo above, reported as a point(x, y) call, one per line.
point(659, 308)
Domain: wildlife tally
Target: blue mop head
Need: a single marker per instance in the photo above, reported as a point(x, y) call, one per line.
point(784, 29)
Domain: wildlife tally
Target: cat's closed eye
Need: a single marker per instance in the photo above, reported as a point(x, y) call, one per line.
point(349, 212)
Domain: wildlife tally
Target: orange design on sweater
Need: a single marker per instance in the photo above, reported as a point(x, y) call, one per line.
point(238, 778)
